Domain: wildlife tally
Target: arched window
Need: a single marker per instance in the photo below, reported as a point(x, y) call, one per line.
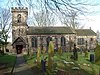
point(48, 40)
point(19, 18)
point(41, 43)
point(63, 41)
point(34, 42)
point(80, 41)
point(56, 42)
point(91, 39)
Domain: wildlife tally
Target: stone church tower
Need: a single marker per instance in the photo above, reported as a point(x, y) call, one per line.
point(19, 28)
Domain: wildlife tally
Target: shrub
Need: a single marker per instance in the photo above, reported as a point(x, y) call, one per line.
point(38, 56)
point(60, 51)
point(50, 55)
point(86, 54)
point(97, 54)
point(44, 51)
point(51, 49)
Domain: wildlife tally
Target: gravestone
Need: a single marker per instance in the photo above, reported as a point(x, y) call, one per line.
point(92, 57)
point(75, 53)
point(43, 63)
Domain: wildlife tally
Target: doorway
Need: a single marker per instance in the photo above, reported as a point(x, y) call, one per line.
point(19, 49)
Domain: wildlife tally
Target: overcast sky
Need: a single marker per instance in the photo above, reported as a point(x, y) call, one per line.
point(90, 20)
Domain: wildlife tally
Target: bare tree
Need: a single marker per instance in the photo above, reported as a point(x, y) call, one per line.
point(72, 20)
point(44, 19)
point(56, 7)
point(41, 16)
point(98, 36)
point(5, 26)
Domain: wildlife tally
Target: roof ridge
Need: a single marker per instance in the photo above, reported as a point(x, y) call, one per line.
point(49, 26)
point(82, 29)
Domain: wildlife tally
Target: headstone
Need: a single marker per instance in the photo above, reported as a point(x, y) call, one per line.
point(75, 53)
point(75, 68)
point(43, 63)
point(92, 57)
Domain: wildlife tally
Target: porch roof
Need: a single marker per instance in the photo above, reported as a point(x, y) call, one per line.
point(20, 39)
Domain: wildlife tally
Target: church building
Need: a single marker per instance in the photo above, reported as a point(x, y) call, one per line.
point(26, 37)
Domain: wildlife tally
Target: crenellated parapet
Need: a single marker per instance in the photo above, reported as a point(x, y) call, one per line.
point(19, 9)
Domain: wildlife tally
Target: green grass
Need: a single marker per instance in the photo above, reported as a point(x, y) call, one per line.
point(7, 59)
point(92, 69)
point(30, 59)
point(7, 62)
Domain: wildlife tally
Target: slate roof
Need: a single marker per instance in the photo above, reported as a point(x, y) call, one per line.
point(50, 30)
point(85, 32)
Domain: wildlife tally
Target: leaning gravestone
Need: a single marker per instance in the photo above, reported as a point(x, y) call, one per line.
point(43, 63)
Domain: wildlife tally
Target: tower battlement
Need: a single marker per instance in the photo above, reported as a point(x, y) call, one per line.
point(19, 9)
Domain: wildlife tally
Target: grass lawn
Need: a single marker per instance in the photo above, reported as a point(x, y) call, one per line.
point(61, 63)
point(7, 60)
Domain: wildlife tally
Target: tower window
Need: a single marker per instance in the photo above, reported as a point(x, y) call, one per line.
point(19, 18)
